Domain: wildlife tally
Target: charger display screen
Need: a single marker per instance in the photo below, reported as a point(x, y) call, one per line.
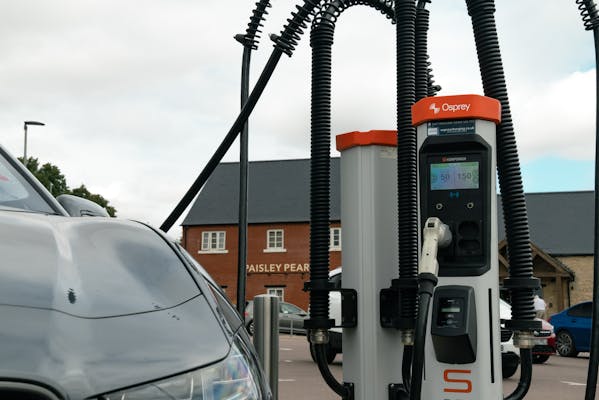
point(454, 175)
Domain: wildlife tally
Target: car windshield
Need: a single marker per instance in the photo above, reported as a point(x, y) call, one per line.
point(16, 193)
point(291, 309)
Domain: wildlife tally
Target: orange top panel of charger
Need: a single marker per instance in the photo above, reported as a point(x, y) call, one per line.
point(465, 106)
point(374, 137)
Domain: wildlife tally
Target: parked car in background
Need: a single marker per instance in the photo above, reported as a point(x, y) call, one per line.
point(334, 346)
point(291, 318)
point(102, 308)
point(573, 329)
point(544, 343)
point(510, 354)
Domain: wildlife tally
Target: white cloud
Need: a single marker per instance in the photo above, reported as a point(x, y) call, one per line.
point(557, 120)
point(136, 99)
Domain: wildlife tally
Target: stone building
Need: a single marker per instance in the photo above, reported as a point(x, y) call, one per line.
point(278, 260)
point(561, 232)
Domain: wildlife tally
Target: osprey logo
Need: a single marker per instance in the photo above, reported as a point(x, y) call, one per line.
point(449, 107)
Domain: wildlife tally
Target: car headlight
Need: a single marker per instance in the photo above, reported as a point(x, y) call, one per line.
point(233, 378)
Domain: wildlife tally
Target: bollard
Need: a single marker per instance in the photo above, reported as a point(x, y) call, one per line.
point(266, 337)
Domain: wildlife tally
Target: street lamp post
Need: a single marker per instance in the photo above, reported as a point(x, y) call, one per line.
point(25, 130)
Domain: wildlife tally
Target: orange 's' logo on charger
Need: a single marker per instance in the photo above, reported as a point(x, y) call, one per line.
point(458, 379)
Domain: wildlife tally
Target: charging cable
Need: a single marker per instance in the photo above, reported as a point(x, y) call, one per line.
point(435, 235)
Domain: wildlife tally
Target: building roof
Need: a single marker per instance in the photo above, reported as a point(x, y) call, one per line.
point(278, 191)
point(561, 223)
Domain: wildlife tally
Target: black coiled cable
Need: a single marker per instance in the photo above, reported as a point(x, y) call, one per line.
point(253, 30)
point(432, 88)
point(590, 19)
point(427, 283)
point(525, 371)
point(328, 15)
point(508, 164)
point(290, 35)
point(405, 17)
point(521, 282)
point(331, 11)
point(589, 14)
point(321, 40)
point(282, 45)
point(425, 84)
point(423, 76)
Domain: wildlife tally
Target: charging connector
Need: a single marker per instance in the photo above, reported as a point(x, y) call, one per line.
point(435, 235)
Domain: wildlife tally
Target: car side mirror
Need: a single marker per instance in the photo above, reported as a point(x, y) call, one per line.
point(80, 207)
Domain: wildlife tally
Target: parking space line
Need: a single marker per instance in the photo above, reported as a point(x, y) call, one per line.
point(573, 383)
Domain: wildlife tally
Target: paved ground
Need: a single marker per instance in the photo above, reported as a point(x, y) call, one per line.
point(559, 378)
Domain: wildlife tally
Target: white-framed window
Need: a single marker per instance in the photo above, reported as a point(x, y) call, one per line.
point(335, 239)
point(275, 241)
point(213, 242)
point(276, 291)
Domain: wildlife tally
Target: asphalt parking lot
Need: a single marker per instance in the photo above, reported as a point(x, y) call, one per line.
point(559, 378)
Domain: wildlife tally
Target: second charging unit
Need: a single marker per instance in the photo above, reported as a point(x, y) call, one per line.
point(456, 169)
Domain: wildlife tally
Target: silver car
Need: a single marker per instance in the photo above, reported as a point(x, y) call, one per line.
point(102, 308)
point(291, 318)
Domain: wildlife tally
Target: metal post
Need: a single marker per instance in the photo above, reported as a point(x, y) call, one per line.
point(25, 145)
point(25, 130)
point(266, 337)
point(243, 187)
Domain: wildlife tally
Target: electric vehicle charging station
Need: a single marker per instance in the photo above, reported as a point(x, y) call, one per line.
point(457, 163)
point(451, 352)
point(369, 217)
point(456, 141)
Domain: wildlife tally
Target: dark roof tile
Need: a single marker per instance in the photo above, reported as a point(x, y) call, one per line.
point(278, 191)
point(561, 223)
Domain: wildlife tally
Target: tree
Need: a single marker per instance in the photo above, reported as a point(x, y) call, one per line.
point(51, 177)
point(82, 191)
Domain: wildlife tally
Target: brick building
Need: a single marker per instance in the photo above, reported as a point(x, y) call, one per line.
point(278, 233)
point(278, 259)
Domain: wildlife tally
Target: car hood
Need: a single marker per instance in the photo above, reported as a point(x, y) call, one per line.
point(92, 305)
point(88, 267)
point(84, 357)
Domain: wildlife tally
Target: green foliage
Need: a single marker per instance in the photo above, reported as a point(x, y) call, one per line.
point(82, 191)
point(51, 177)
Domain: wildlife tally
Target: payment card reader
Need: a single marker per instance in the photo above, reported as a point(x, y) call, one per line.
point(453, 327)
point(456, 183)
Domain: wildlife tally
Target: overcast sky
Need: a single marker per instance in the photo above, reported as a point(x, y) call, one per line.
point(137, 95)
